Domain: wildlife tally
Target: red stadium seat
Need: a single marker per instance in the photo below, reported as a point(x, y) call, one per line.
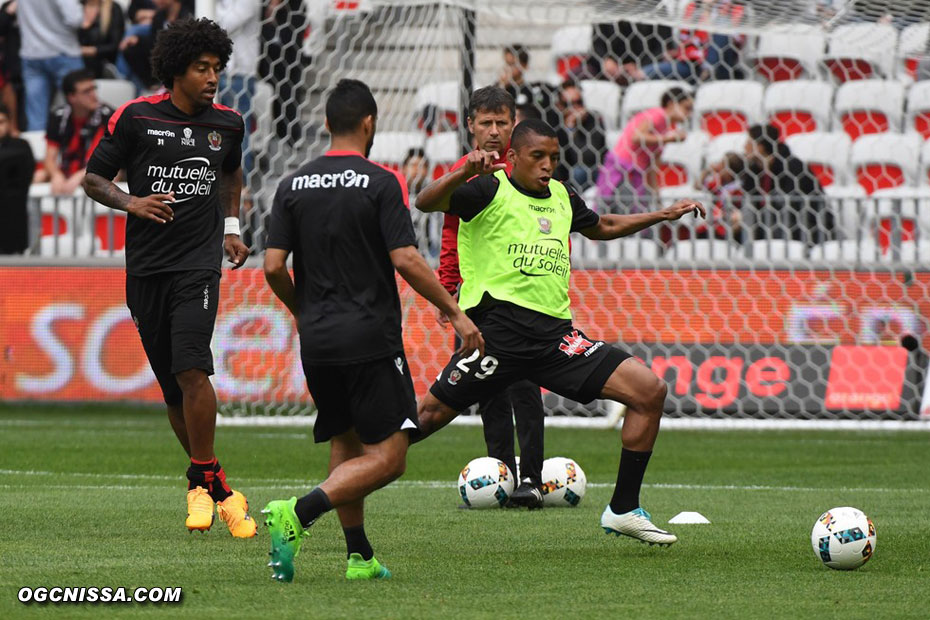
point(798, 106)
point(825, 153)
point(728, 106)
point(861, 51)
point(789, 53)
point(885, 161)
point(869, 106)
point(102, 231)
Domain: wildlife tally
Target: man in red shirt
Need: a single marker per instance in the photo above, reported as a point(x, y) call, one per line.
point(491, 115)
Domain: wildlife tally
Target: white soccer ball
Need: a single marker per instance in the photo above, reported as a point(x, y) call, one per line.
point(843, 538)
point(563, 482)
point(486, 483)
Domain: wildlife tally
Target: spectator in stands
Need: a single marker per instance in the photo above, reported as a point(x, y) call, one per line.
point(50, 50)
point(137, 49)
point(416, 170)
point(621, 49)
point(16, 166)
point(512, 78)
point(141, 13)
point(282, 63)
point(241, 19)
point(723, 180)
point(632, 164)
point(787, 195)
point(11, 78)
point(525, 111)
point(100, 35)
point(581, 138)
point(74, 130)
point(701, 53)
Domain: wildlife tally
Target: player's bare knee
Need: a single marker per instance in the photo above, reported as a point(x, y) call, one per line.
point(191, 380)
point(657, 393)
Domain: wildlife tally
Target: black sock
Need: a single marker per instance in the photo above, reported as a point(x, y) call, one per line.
point(311, 506)
point(357, 542)
point(220, 490)
point(200, 474)
point(629, 480)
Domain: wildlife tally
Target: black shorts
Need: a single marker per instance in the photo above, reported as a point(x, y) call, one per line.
point(572, 365)
point(376, 398)
point(175, 313)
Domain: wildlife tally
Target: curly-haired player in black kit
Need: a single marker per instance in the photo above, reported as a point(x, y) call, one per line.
point(182, 156)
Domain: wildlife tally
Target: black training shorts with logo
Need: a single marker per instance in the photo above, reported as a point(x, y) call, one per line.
point(375, 397)
point(175, 313)
point(522, 344)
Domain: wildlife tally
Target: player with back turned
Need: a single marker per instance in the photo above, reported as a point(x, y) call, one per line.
point(515, 265)
point(181, 153)
point(347, 222)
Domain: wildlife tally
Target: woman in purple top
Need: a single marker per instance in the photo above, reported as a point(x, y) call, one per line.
point(632, 164)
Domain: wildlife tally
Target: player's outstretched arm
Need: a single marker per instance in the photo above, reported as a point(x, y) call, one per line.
point(279, 278)
point(436, 195)
point(412, 268)
point(613, 226)
point(107, 193)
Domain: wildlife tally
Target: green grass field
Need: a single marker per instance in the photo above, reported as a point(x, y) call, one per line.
point(95, 497)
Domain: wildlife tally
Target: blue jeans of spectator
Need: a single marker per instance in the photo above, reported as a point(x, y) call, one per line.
point(671, 70)
point(583, 177)
point(236, 92)
point(41, 78)
point(723, 57)
point(135, 30)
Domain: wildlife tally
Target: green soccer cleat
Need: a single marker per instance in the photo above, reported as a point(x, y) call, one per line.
point(366, 569)
point(286, 535)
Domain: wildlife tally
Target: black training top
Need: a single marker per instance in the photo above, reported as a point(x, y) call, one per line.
point(165, 150)
point(341, 215)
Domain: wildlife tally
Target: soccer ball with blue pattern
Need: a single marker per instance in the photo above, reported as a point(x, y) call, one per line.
point(485, 483)
point(563, 482)
point(843, 538)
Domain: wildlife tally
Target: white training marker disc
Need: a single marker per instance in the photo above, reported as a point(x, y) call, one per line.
point(688, 518)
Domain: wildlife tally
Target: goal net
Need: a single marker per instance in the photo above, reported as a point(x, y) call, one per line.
point(805, 294)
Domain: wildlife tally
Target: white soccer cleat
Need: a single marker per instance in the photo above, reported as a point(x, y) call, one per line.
point(636, 524)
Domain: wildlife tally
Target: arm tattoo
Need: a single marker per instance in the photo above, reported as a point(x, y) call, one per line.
point(230, 192)
point(106, 192)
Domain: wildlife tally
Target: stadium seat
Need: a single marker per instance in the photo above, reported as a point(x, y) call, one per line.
point(630, 249)
point(925, 163)
point(847, 250)
point(66, 244)
point(865, 107)
point(641, 96)
point(391, 147)
point(915, 251)
point(911, 47)
point(728, 106)
point(826, 153)
point(861, 51)
point(442, 150)
point(611, 137)
point(36, 140)
point(798, 106)
point(918, 109)
point(681, 161)
point(723, 144)
point(115, 92)
point(703, 249)
point(102, 223)
point(604, 98)
point(904, 207)
point(849, 205)
point(570, 48)
point(777, 249)
point(441, 98)
point(885, 160)
point(789, 52)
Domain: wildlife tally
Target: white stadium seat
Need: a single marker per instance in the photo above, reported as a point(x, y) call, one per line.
point(917, 109)
point(604, 98)
point(777, 249)
point(885, 160)
point(925, 164)
point(789, 52)
point(36, 140)
point(799, 106)
point(703, 249)
point(641, 96)
point(716, 148)
point(728, 106)
point(911, 47)
point(826, 153)
point(570, 47)
point(681, 161)
point(869, 106)
point(115, 92)
point(391, 147)
point(861, 51)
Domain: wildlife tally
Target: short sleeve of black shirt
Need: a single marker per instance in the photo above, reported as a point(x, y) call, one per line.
point(53, 128)
point(582, 216)
point(114, 150)
point(281, 226)
point(394, 214)
point(471, 198)
point(233, 160)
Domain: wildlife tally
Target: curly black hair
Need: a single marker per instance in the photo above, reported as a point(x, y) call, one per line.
point(181, 43)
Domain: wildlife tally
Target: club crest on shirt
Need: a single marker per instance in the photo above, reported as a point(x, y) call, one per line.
point(187, 140)
point(545, 225)
point(215, 140)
